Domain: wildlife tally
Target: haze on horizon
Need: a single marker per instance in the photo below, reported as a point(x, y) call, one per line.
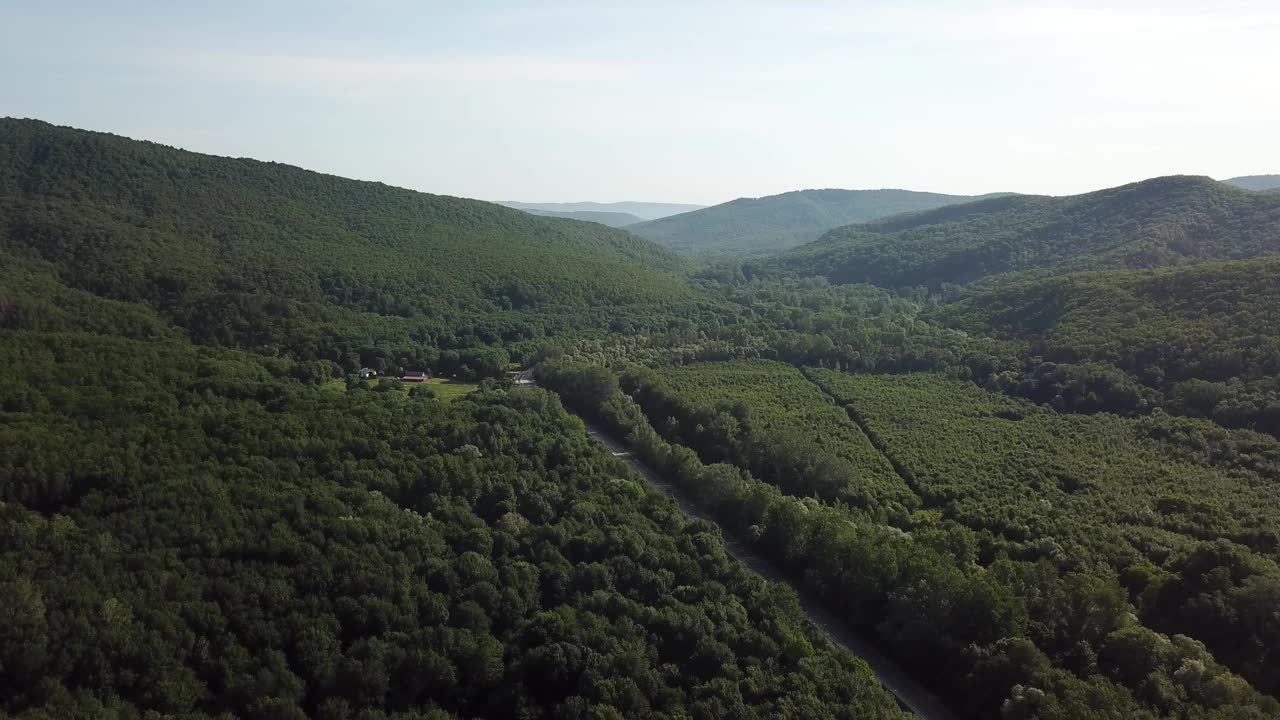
point(667, 102)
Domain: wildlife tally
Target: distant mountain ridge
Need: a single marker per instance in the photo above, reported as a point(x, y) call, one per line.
point(764, 225)
point(1255, 182)
point(642, 210)
point(1160, 222)
point(612, 219)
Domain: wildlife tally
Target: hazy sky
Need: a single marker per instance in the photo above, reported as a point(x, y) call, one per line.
point(682, 101)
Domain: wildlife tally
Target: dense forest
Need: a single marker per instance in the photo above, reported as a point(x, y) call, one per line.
point(200, 533)
point(766, 225)
point(1046, 496)
point(1155, 223)
point(1017, 626)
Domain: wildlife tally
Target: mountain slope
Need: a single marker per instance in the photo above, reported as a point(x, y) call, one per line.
point(1205, 336)
point(1255, 182)
point(757, 226)
point(214, 244)
point(612, 219)
point(1223, 299)
point(642, 210)
point(1155, 223)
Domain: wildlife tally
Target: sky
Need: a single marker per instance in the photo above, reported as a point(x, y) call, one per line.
point(690, 101)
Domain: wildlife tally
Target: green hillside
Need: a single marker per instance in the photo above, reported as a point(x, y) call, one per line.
point(612, 219)
point(195, 532)
point(1205, 337)
point(760, 226)
point(260, 254)
point(1155, 223)
point(1255, 182)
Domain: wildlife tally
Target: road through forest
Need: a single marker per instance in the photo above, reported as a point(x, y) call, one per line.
point(909, 692)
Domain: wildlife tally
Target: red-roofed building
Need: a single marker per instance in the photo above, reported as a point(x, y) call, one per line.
point(415, 376)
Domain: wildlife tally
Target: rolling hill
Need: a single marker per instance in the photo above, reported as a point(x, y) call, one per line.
point(612, 219)
point(1205, 337)
point(642, 210)
point(1255, 182)
point(760, 226)
point(247, 253)
point(1154, 223)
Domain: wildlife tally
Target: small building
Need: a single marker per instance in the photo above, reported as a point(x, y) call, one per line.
point(415, 376)
point(367, 373)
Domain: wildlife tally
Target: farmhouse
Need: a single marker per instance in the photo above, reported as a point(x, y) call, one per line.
point(367, 373)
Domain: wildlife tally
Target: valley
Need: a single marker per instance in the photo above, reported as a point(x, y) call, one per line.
point(1011, 456)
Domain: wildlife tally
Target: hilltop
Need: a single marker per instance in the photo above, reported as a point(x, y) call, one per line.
point(764, 225)
point(1154, 223)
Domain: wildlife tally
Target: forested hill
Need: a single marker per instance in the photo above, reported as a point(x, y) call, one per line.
point(612, 219)
point(758, 226)
point(1154, 223)
point(1205, 339)
point(1255, 182)
point(206, 512)
point(259, 254)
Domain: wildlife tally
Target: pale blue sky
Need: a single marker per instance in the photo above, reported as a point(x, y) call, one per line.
point(669, 101)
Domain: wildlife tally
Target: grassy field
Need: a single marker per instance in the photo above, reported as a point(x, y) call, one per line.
point(445, 388)
point(448, 389)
